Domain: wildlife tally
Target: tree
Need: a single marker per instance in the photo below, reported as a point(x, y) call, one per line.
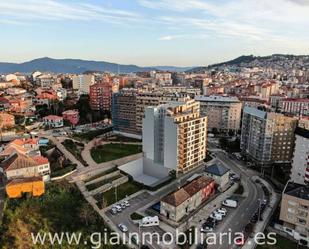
point(86, 213)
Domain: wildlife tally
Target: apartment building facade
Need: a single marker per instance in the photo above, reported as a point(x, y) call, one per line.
point(267, 137)
point(294, 211)
point(300, 163)
point(82, 83)
point(174, 135)
point(297, 107)
point(145, 99)
point(124, 111)
point(224, 113)
point(101, 95)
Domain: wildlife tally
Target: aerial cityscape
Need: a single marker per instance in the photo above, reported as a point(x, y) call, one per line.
point(154, 124)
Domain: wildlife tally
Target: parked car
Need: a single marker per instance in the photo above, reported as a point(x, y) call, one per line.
point(216, 216)
point(122, 227)
point(126, 203)
point(212, 221)
point(222, 211)
point(230, 203)
point(206, 228)
point(118, 208)
point(113, 211)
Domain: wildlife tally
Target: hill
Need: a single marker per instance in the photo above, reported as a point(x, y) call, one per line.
point(46, 64)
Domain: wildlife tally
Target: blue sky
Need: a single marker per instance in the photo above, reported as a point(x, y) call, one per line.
point(152, 32)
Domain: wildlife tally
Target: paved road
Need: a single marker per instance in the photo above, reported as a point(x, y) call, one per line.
point(241, 216)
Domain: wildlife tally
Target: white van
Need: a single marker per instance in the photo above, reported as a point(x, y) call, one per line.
point(149, 221)
point(230, 203)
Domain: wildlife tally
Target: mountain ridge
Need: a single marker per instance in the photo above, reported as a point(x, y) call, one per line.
point(47, 64)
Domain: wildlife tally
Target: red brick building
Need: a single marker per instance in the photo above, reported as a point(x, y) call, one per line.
point(72, 116)
point(101, 94)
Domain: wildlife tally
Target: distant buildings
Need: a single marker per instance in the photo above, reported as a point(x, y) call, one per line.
point(128, 107)
point(124, 111)
point(300, 164)
point(223, 113)
point(101, 94)
point(182, 202)
point(46, 81)
point(7, 121)
point(267, 137)
point(71, 116)
point(155, 98)
point(53, 121)
point(294, 211)
point(297, 107)
point(82, 83)
point(174, 135)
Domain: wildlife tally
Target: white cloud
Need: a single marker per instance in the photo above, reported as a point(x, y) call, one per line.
point(249, 20)
point(28, 10)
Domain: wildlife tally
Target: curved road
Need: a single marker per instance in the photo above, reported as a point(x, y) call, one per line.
point(241, 216)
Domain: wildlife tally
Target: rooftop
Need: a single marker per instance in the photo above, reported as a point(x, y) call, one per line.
point(215, 98)
point(218, 170)
point(297, 190)
point(183, 194)
point(255, 112)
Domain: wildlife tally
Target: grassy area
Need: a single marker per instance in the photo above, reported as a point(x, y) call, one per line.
point(120, 138)
point(136, 216)
point(103, 182)
point(61, 209)
point(63, 171)
point(101, 174)
point(75, 149)
point(109, 152)
point(88, 136)
point(123, 191)
point(282, 243)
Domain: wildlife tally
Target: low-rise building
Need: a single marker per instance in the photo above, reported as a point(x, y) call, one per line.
point(6, 121)
point(72, 116)
point(17, 187)
point(182, 202)
point(24, 146)
point(220, 174)
point(22, 166)
point(53, 121)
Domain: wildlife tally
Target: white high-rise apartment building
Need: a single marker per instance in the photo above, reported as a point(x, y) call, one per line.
point(174, 135)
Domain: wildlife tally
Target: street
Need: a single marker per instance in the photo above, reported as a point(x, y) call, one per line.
point(234, 222)
point(242, 214)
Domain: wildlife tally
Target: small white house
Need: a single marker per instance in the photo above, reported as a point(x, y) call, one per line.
point(53, 121)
